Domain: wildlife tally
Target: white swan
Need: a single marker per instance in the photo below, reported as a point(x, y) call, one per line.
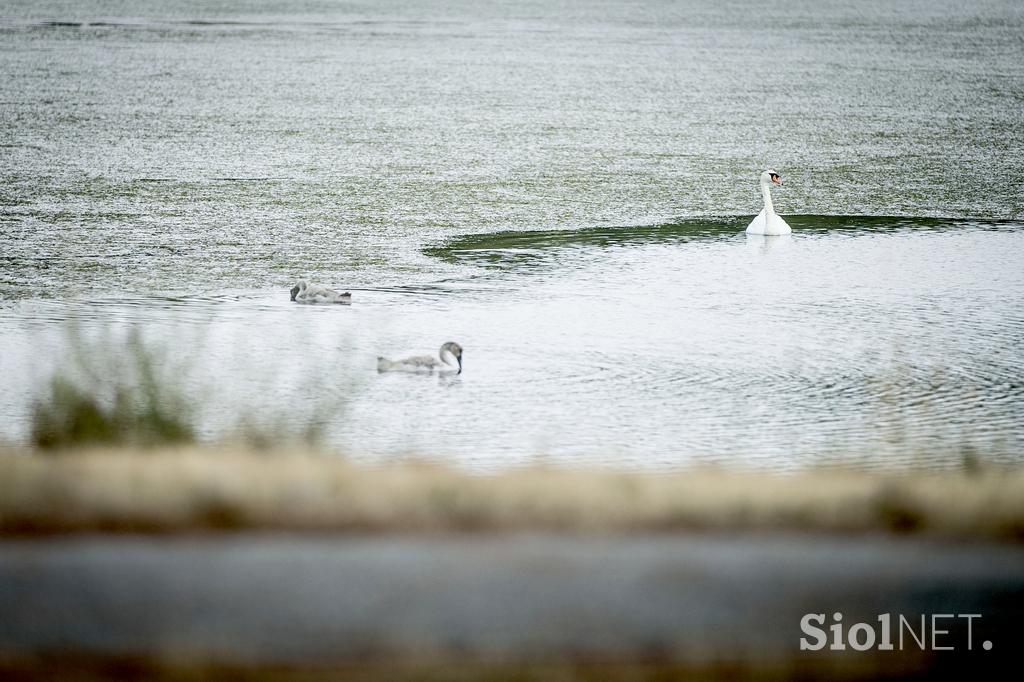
point(450, 361)
point(314, 293)
point(767, 221)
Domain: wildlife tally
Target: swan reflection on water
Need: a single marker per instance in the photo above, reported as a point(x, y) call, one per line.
point(449, 361)
point(763, 244)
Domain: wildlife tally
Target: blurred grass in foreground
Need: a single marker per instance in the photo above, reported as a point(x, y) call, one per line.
point(233, 488)
point(118, 411)
point(115, 389)
point(111, 397)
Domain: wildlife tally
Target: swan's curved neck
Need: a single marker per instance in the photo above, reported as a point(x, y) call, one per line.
point(766, 192)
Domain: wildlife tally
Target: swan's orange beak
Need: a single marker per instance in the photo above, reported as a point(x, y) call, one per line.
point(776, 179)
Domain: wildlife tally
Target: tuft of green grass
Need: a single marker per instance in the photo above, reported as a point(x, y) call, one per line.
point(111, 400)
point(116, 390)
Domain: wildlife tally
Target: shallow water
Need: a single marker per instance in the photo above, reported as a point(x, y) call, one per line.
point(895, 343)
point(562, 189)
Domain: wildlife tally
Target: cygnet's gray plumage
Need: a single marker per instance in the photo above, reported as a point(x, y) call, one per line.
point(449, 360)
point(314, 293)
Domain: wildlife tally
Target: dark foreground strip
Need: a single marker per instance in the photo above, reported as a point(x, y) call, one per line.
point(522, 607)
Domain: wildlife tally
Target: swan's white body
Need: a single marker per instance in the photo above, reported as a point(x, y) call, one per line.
point(314, 293)
point(449, 360)
point(767, 222)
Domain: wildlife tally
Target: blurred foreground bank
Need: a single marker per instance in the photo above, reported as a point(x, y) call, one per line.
point(209, 564)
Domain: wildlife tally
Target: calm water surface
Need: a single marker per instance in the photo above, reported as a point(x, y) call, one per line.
point(560, 187)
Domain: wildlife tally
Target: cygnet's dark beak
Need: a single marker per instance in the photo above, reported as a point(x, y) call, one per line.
point(460, 364)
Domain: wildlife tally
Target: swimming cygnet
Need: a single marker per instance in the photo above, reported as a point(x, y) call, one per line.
point(449, 360)
point(314, 293)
